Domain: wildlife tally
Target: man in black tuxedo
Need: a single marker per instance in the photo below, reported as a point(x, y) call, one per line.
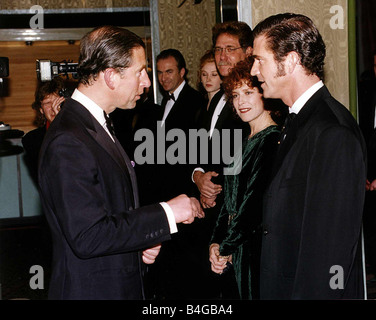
point(171, 277)
point(101, 237)
point(367, 123)
point(313, 206)
point(180, 108)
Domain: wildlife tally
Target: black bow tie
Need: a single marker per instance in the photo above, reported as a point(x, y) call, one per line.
point(171, 96)
point(289, 118)
point(109, 123)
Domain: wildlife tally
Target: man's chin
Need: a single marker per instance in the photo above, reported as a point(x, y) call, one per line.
point(224, 70)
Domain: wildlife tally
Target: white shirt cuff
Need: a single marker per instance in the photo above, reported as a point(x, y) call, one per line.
point(196, 169)
point(170, 217)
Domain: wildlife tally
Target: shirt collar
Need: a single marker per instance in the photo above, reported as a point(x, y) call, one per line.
point(299, 104)
point(178, 90)
point(95, 110)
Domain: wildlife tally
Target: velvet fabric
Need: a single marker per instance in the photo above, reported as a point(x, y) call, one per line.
point(238, 227)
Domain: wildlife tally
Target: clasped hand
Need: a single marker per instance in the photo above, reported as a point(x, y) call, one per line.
point(218, 262)
point(208, 189)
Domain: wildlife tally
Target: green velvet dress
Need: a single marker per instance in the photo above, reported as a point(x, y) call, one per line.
point(238, 229)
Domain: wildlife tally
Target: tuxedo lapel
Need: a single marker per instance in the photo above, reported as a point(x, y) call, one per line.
point(213, 104)
point(131, 172)
point(163, 107)
point(225, 114)
point(115, 150)
point(298, 128)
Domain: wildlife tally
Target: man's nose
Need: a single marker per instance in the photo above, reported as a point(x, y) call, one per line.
point(145, 80)
point(255, 69)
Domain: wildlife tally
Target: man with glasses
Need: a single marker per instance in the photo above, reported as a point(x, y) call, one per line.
point(232, 42)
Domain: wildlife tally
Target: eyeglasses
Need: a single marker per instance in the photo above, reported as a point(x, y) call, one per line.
point(228, 50)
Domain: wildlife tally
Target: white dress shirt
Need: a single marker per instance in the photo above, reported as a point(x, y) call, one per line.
point(170, 103)
point(217, 112)
point(95, 110)
point(302, 100)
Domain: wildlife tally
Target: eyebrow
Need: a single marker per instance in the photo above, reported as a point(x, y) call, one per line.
point(168, 70)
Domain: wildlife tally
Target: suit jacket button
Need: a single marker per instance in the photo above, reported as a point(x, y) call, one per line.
point(265, 232)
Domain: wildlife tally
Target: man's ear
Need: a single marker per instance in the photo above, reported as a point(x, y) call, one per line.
point(292, 60)
point(182, 72)
point(109, 77)
point(41, 111)
point(249, 51)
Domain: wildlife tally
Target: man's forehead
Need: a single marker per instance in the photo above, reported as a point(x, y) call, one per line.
point(227, 39)
point(259, 43)
point(167, 63)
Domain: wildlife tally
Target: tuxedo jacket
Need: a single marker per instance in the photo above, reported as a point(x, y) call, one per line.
point(32, 142)
point(366, 107)
point(313, 207)
point(168, 180)
point(184, 113)
point(89, 195)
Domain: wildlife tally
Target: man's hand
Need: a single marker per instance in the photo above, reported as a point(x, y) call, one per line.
point(56, 104)
point(218, 263)
point(185, 209)
point(204, 184)
point(207, 202)
point(149, 255)
point(196, 207)
point(371, 186)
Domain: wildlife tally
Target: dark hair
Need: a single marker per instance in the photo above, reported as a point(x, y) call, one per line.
point(289, 32)
point(176, 54)
point(43, 90)
point(235, 28)
point(106, 47)
point(240, 74)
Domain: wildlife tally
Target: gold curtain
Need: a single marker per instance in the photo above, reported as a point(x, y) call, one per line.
point(336, 40)
point(187, 29)
point(71, 4)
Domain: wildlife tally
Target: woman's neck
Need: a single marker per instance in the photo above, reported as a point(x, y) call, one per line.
point(261, 123)
point(212, 94)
